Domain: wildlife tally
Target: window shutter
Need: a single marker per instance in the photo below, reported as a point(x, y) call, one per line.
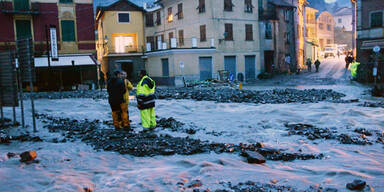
point(68, 30)
point(248, 32)
point(201, 6)
point(203, 33)
point(181, 37)
point(228, 32)
point(149, 19)
point(180, 11)
point(158, 18)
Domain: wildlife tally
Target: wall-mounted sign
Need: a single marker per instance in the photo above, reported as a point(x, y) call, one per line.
point(52, 32)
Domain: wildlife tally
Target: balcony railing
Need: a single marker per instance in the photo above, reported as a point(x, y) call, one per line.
point(126, 50)
point(175, 43)
point(6, 7)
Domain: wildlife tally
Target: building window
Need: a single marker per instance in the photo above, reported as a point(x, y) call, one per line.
point(181, 38)
point(201, 6)
point(321, 26)
point(203, 33)
point(23, 29)
point(268, 30)
point(248, 32)
point(151, 40)
point(286, 15)
point(21, 5)
point(180, 11)
point(377, 19)
point(228, 34)
point(124, 44)
point(149, 19)
point(123, 17)
point(329, 27)
point(228, 5)
point(248, 6)
point(158, 18)
point(328, 41)
point(66, 1)
point(68, 30)
point(339, 20)
point(170, 15)
point(170, 37)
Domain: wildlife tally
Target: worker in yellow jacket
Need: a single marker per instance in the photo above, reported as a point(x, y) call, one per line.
point(145, 95)
point(125, 112)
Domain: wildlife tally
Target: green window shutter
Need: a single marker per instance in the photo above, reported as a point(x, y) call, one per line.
point(21, 5)
point(68, 30)
point(23, 29)
point(66, 1)
point(377, 19)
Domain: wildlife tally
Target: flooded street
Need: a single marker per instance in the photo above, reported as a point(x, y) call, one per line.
point(74, 166)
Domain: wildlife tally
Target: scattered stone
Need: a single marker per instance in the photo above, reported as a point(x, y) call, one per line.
point(195, 184)
point(253, 157)
point(11, 155)
point(363, 131)
point(314, 133)
point(7, 123)
point(87, 189)
point(274, 181)
point(356, 185)
point(28, 156)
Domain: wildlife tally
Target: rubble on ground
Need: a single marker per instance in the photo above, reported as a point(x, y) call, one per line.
point(362, 137)
point(7, 123)
point(373, 104)
point(221, 94)
point(260, 187)
point(173, 125)
point(228, 95)
point(104, 137)
point(356, 185)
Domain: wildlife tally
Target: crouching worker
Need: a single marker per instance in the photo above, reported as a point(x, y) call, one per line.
point(145, 95)
point(116, 90)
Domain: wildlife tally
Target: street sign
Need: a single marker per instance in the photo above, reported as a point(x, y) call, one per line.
point(54, 55)
point(376, 49)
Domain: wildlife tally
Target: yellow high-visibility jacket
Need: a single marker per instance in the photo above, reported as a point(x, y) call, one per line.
point(128, 86)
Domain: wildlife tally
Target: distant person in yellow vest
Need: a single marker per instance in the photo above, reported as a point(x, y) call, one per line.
point(128, 87)
point(145, 95)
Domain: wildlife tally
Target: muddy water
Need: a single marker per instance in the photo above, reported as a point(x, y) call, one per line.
point(73, 166)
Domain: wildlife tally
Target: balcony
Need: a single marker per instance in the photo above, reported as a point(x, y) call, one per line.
point(174, 43)
point(22, 9)
point(268, 15)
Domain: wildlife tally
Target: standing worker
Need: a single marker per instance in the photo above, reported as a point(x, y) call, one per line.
point(309, 64)
point(145, 95)
point(128, 87)
point(317, 65)
point(116, 90)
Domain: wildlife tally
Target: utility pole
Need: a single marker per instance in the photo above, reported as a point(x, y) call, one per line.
point(48, 56)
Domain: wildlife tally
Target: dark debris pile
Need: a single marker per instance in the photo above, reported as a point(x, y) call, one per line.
point(104, 137)
point(362, 136)
point(227, 95)
point(222, 94)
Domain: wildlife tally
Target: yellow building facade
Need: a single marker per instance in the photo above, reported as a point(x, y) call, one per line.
point(120, 44)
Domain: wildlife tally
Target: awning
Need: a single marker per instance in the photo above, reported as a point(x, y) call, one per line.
point(65, 60)
point(372, 43)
